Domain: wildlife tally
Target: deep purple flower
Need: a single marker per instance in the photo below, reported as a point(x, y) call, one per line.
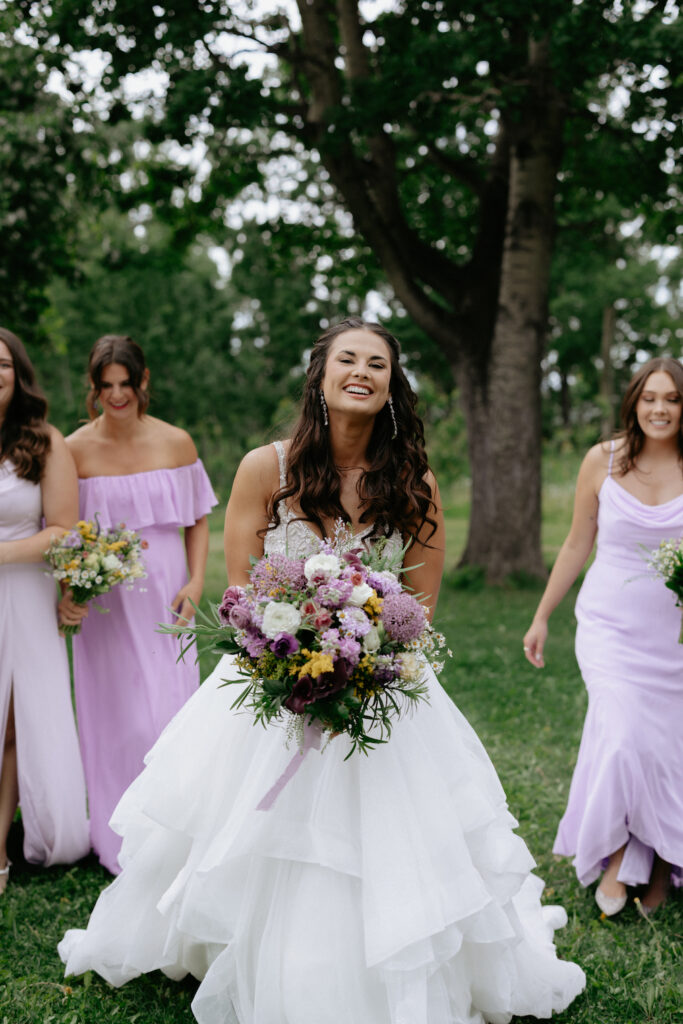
point(240, 616)
point(307, 690)
point(255, 643)
point(403, 617)
point(231, 597)
point(283, 645)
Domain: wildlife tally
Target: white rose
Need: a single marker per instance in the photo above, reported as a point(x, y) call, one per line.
point(328, 566)
point(371, 640)
point(110, 562)
point(411, 668)
point(280, 617)
point(360, 594)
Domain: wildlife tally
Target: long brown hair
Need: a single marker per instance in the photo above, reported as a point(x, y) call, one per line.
point(632, 434)
point(116, 348)
point(24, 435)
point(393, 489)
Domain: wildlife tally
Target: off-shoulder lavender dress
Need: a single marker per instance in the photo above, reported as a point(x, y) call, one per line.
point(387, 889)
point(627, 786)
point(34, 667)
point(127, 681)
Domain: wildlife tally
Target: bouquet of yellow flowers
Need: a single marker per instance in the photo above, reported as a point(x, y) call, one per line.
point(90, 561)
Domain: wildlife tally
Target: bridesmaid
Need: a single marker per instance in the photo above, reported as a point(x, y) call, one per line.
point(136, 469)
point(40, 758)
point(625, 810)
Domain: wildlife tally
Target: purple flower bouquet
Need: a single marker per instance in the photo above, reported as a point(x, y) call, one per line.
point(333, 639)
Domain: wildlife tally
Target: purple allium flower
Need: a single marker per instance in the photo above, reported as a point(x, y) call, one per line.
point(231, 597)
point(277, 570)
point(335, 593)
point(255, 643)
point(283, 645)
point(403, 617)
point(384, 583)
point(239, 616)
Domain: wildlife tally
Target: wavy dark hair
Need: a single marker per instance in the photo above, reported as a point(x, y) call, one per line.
point(632, 434)
point(393, 489)
point(24, 435)
point(116, 348)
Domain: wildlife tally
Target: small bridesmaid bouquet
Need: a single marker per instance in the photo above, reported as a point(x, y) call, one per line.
point(89, 561)
point(667, 562)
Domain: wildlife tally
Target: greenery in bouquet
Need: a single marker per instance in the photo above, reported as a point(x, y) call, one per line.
point(89, 561)
point(334, 639)
point(667, 562)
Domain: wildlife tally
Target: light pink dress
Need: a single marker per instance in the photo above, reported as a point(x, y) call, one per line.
point(128, 681)
point(34, 666)
point(628, 782)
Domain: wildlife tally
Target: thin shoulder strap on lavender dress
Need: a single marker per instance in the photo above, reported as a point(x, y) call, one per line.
point(280, 449)
point(611, 457)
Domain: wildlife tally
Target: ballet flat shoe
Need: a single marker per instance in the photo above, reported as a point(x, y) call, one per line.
point(609, 905)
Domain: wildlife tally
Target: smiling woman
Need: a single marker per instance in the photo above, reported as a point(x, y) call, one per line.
point(137, 469)
point(625, 810)
point(381, 888)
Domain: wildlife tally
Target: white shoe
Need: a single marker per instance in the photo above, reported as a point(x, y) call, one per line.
point(4, 876)
point(609, 905)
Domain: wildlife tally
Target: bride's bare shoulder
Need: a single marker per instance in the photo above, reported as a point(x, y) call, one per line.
point(259, 469)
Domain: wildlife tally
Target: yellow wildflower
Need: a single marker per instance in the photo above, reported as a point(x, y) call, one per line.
point(317, 664)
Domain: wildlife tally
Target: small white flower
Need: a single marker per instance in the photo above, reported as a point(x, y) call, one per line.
point(98, 579)
point(371, 640)
point(411, 668)
point(280, 617)
point(360, 594)
point(327, 566)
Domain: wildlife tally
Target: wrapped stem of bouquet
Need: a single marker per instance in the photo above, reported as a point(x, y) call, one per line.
point(90, 561)
point(331, 642)
point(667, 562)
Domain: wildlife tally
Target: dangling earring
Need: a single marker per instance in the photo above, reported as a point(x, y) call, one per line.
point(326, 419)
point(393, 418)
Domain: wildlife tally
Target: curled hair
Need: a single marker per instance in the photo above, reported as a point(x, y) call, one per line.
point(393, 490)
point(116, 348)
point(24, 435)
point(632, 433)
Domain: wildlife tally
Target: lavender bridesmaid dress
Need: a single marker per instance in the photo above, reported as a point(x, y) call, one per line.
point(628, 782)
point(128, 682)
point(34, 667)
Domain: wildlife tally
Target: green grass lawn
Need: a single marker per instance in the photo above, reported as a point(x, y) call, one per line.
point(530, 723)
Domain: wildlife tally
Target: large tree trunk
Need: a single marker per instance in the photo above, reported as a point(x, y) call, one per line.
point(503, 408)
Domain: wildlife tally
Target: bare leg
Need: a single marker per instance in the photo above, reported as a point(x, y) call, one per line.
point(658, 888)
point(608, 883)
point(9, 789)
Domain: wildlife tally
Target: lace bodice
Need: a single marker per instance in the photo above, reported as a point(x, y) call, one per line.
point(295, 538)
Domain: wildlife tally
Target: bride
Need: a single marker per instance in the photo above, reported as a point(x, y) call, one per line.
point(387, 889)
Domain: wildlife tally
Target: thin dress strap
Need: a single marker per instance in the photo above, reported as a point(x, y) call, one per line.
point(611, 457)
point(280, 449)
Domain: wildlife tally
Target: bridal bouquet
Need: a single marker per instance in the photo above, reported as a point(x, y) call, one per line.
point(333, 640)
point(667, 562)
point(90, 561)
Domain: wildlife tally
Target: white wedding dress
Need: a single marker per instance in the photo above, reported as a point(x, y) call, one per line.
point(387, 889)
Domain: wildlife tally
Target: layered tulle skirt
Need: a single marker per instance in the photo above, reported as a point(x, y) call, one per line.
point(389, 889)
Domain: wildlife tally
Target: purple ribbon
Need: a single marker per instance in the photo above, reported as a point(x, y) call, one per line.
point(312, 736)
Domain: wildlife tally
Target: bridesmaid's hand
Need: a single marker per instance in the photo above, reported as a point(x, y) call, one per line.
point(534, 642)
point(181, 602)
point(69, 613)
